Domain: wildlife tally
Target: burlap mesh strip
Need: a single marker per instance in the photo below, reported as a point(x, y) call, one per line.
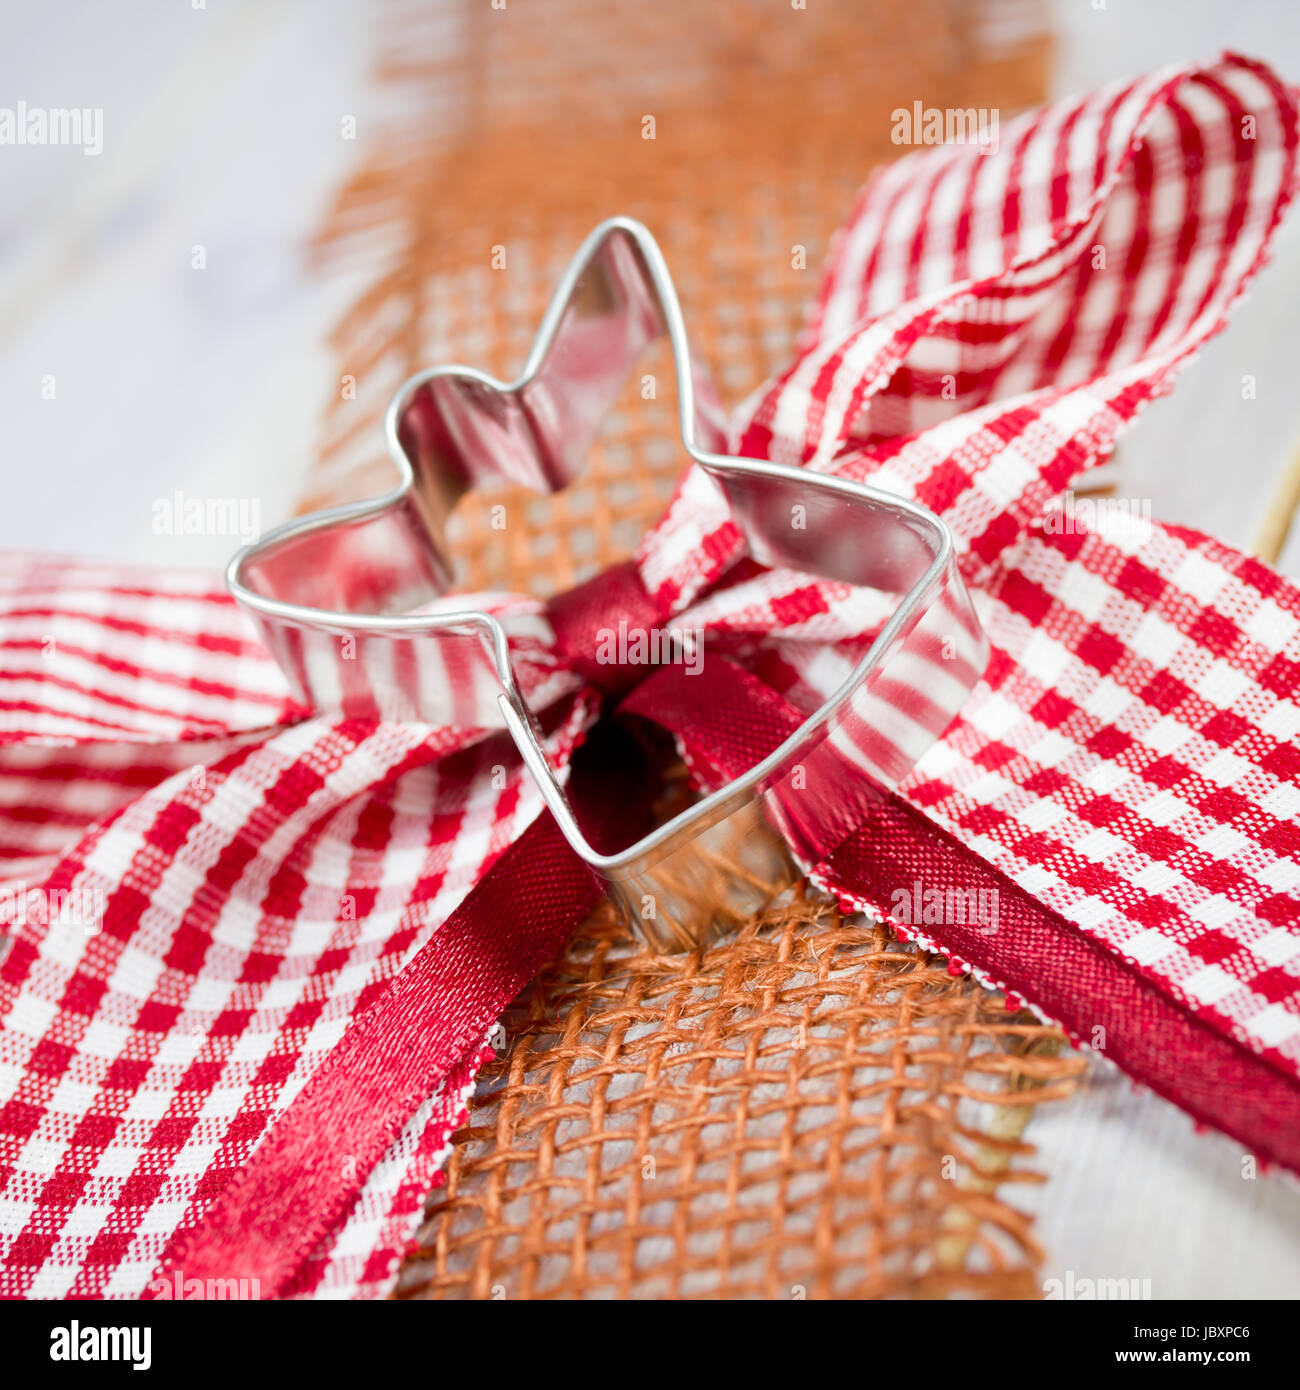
point(801, 1111)
point(807, 1107)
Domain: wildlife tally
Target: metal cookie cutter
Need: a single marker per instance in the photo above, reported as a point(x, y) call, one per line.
point(336, 595)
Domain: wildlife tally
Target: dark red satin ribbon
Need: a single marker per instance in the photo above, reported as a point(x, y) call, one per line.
point(295, 1192)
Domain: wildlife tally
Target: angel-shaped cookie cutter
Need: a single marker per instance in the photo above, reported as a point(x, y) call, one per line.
point(337, 594)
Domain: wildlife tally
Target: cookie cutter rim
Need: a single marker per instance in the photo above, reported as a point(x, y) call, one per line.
point(715, 806)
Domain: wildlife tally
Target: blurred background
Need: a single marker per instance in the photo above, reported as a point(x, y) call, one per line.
point(182, 313)
point(230, 126)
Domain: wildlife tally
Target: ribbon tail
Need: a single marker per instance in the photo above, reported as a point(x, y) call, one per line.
point(728, 719)
point(420, 1037)
point(303, 1178)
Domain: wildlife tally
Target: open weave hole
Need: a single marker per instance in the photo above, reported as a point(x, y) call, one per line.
point(807, 1107)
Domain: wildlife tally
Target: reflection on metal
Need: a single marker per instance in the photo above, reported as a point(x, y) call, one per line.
point(338, 595)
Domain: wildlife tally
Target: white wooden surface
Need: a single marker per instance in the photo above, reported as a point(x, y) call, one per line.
point(223, 129)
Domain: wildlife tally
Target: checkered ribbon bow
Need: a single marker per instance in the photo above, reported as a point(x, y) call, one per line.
point(253, 956)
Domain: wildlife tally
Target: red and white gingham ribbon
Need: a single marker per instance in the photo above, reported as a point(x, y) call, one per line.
point(1128, 767)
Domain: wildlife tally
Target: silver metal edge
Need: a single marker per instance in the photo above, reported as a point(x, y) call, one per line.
point(716, 806)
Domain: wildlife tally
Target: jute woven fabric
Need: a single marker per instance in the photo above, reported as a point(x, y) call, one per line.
point(809, 1109)
point(735, 189)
